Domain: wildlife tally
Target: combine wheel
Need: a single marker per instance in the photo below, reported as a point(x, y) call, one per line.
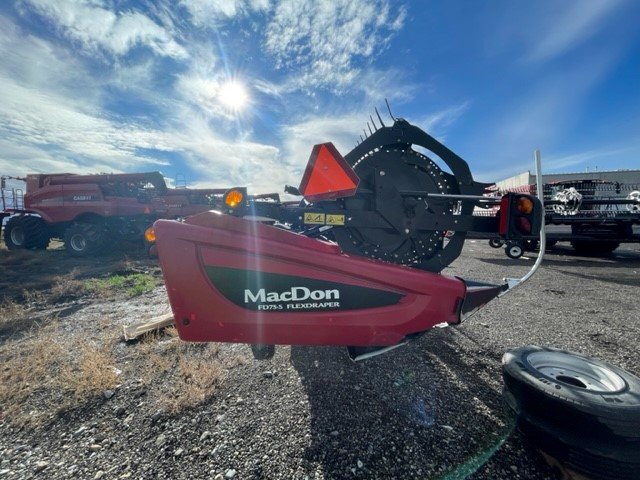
point(594, 248)
point(496, 243)
point(26, 232)
point(514, 250)
point(84, 239)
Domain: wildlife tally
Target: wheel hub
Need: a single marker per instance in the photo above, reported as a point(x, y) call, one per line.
point(78, 243)
point(576, 371)
point(17, 236)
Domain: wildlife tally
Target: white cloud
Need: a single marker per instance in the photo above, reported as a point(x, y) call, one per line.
point(212, 12)
point(345, 130)
point(51, 122)
point(299, 138)
point(96, 27)
point(578, 22)
point(323, 40)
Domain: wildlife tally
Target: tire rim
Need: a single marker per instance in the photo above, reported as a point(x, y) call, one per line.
point(576, 371)
point(17, 236)
point(515, 251)
point(78, 242)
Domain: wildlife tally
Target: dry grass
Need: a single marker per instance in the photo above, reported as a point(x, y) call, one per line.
point(48, 374)
point(67, 287)
point(21, 257)
point(9, 311)
point(179, 374)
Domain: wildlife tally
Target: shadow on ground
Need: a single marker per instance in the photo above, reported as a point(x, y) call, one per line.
point(421, 411)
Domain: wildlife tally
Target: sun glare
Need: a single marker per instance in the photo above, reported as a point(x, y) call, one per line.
point(233, 95)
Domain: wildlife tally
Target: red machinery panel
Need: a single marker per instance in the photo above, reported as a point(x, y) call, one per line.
point(232, 280)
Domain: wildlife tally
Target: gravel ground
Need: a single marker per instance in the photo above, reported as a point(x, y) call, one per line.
point(431, 409)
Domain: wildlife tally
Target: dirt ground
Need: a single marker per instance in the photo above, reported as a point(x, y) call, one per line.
point(77, 401)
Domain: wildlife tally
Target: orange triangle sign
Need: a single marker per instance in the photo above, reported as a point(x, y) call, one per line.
point(327, 175)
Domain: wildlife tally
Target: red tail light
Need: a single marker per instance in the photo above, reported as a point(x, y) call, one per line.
point(524, 225)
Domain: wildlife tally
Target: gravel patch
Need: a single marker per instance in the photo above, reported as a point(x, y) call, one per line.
point(432, 409)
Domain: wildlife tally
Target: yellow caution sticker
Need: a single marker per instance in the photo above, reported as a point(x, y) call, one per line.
point(314, 218)
point(335, 219)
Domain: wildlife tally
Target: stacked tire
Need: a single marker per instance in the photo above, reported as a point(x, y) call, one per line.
point(26, 232)
point(579, 411)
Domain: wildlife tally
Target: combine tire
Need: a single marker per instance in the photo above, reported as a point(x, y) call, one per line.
point(580, 412)
point(514, 250)
point(26, 232)
point(84, 239)
point(598, 247)
point(496, 243)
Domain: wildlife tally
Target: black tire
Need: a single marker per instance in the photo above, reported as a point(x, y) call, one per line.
point(599, 247)
point(574, 393)
point(263, 352)
point(84, 239)
point(26, 232)
point(496, 243)
point(590, 457)
point(514, 250)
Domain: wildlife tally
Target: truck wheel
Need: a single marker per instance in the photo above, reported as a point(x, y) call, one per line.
point(577, 394)
point(594, 248)
point(496, 243)
point(84, 239)
point(26, 232)
point(514, 250)
point(575, 454)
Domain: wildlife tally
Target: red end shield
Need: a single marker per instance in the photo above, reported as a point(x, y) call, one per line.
point(327, 175)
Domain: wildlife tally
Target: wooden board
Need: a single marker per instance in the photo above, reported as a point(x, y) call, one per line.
point(132, 332)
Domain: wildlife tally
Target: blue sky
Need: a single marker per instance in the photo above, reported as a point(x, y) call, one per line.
point(106, 86)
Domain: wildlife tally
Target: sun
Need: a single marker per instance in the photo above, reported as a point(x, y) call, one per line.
point(233, 95)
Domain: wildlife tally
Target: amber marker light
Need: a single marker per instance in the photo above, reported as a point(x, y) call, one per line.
point(150, 235)
point(233, 198)
point(525, 205)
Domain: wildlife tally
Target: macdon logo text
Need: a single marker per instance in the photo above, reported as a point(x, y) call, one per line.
point(274, 300)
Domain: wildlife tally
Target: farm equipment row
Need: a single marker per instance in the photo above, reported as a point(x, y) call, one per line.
point(594, 216)
point(93, 212)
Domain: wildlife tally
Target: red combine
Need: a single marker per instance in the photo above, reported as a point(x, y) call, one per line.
point(356, 262)
point(90, 212)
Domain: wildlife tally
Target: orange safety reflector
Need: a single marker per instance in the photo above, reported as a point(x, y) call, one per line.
point(327, 175)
